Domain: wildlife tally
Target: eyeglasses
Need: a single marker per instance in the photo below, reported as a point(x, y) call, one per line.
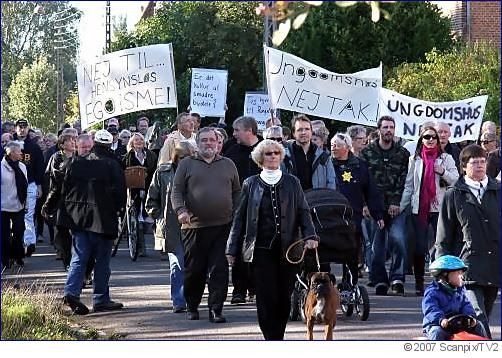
point(477, 163)
point(278, 139)
point(429, 137)
point(487, 141)
point(269, 154)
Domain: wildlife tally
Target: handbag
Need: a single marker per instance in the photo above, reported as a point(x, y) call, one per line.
point(135, 177)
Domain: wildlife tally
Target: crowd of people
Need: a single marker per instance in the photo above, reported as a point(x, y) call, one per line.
point(214, 199)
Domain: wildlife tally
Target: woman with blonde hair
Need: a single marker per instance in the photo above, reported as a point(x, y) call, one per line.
point(168, 229)
point(139, 155)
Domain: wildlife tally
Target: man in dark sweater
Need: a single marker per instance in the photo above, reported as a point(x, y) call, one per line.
point(33, 158)
point(246, 136)
point(205, 195)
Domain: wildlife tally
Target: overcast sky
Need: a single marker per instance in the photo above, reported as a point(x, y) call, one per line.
point(92, 23)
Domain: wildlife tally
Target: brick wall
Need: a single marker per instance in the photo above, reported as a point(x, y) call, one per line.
point(485, 21)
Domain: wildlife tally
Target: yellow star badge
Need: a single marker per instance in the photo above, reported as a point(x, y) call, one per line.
point(347, 176)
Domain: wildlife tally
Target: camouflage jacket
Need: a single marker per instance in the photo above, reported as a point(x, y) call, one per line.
point(389, 168)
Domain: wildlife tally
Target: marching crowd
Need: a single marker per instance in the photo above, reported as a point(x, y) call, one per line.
point(214, 200)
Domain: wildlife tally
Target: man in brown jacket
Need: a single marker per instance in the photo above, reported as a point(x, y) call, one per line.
point(205, 193)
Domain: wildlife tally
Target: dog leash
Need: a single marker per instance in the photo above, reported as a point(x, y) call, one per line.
point(303, 253)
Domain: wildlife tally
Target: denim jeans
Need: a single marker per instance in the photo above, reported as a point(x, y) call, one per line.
point(393, 235)
point(31, 202)
point(86, 245)
point(421, 229)
point(177, 275)
point(368, 227)
point(437, 333)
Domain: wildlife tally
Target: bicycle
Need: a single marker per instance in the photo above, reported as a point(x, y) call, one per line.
point(128, 227)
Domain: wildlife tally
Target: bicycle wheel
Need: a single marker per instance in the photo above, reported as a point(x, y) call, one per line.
point(362, 303)
point(132, 233)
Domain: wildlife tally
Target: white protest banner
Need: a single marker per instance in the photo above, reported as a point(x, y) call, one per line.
point(126, 81)
point(208, 93)
point(256, 105)
point(464, 117)
point(297, 85)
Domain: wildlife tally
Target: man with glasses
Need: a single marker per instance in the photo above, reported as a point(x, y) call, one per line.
point(117, 149)
point(469, 227)
point(246, 136)
point(309, 163)
point(274, 133)
point(388, 162)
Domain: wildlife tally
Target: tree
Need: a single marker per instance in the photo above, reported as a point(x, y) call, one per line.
point(30, 31)
point(220, 35)
point(31, 94)
point(441, 79)
point(346, 40)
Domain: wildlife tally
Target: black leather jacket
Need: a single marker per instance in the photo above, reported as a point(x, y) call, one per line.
point(295, 214)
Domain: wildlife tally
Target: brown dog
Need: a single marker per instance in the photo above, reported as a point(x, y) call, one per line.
point(321, 304)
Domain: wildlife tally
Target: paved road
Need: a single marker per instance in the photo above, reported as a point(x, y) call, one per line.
point(143, 287)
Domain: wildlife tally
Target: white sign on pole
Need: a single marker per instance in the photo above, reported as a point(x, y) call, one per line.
point(256, 105)
point(464, 116)
point(208, 93)
point(300, 86)
point(126, 81)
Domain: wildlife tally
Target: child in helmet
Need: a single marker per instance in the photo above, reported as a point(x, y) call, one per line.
point(445, 297)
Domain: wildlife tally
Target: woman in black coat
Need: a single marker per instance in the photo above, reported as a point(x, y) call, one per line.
point(139, 155)
point(272, 209)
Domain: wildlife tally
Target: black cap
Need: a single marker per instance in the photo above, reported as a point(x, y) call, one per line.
point(22, 122)
point(112, 130)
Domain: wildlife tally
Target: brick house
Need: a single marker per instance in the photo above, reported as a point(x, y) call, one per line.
point(474, 21)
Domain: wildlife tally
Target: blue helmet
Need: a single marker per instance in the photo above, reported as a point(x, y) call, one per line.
point(446, 263)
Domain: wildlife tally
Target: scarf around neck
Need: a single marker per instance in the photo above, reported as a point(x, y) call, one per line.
point(21, 181)
point(428, 190)
point(271, 177)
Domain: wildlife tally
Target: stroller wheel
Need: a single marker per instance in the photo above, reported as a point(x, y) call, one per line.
point(346, 302)
point(362, 302)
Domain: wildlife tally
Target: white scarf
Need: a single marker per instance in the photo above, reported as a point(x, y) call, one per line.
point(271, 177)
point(478, 188)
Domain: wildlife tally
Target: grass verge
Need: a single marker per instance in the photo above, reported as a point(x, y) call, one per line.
point(34, 313)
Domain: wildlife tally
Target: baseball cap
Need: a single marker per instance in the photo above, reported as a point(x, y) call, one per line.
point(113, 122)
point(22, 122)
point(488, 137)
point(103, 136)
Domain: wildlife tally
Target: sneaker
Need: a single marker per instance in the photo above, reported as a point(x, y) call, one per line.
point(397, 289)
point(107, 306)
point(30, 250)
point(179, 309)
point(237, 299)
point(381, 289)
point(76, 305)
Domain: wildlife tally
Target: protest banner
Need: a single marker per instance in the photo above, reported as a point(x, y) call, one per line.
point(126, 81)
point(297, 85)
point(256, 105)
point(208, 93)
point(464, 116)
